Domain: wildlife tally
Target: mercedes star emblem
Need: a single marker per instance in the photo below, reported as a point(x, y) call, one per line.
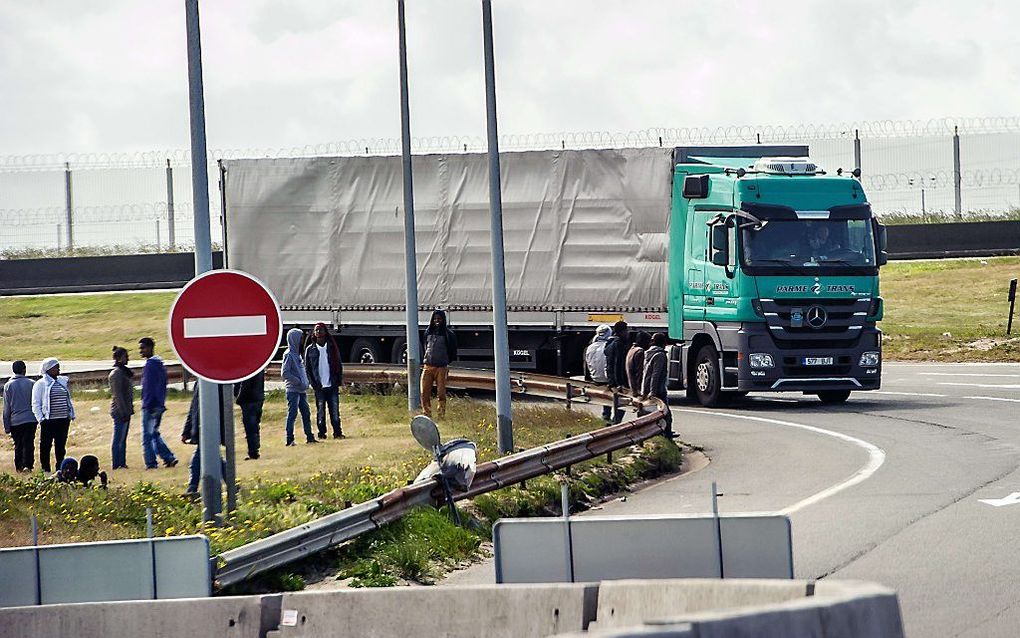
point(816, 317)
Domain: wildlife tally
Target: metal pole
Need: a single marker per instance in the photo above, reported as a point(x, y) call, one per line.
point(504, 421)
point(1012, 306)
point(229, 447)
point(957, 173)
point(148, 522)
point(924, 212)
point(569, 545)
point(68, 205)
point(857, 148)
point(410, 257)
point(209, 431)
point(718, 527)
point(158, 242)
point(38, 567)
point(171, 231)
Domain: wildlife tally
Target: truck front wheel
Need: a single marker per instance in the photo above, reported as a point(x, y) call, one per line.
point(831, 397)
point(707, 380)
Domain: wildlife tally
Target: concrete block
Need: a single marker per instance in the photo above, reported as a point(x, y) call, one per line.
point(684, 630)
point(488, 610)
point(227, 617)
point(792, 619)
point(856, 608)
point(631, 602)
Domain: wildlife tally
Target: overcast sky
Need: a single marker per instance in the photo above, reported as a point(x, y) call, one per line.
point(111, 76)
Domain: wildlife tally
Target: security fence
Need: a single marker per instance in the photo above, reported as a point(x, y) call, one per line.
point(142, 202)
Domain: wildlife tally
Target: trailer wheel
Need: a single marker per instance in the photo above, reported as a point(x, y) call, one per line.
point(366, 351)
point(707, 380)
point(399, 353)
point(832, 397)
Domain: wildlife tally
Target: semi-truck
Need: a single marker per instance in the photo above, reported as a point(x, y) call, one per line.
point(762, 267)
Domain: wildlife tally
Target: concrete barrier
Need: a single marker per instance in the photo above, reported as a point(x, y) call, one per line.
point(489, 610)
point(236, 617)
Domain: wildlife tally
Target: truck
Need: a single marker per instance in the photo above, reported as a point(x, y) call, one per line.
point(760, 266)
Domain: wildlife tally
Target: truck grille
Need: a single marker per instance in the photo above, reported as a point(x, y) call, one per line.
point(823, 323)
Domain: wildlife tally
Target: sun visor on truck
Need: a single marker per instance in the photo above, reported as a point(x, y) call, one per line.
point(773, 211)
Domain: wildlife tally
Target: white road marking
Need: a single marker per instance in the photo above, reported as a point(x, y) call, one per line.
point(909, 394)
point(1013, 386)
point(239, 326)
point(876, 457)
point(967, 374)
point(994, 399)
point(1012, 499)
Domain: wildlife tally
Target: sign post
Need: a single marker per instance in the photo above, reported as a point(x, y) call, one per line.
point(225, 326)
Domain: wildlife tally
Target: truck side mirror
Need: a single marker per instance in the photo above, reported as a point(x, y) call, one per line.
point(883, 244)
point(696, 186)
point(720, 245)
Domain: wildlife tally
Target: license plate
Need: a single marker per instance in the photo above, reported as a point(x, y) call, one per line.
point(818, 361)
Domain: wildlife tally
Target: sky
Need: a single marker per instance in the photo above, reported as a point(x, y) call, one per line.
point(111, 76)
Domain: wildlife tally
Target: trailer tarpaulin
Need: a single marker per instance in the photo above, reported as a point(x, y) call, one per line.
point(582, 229)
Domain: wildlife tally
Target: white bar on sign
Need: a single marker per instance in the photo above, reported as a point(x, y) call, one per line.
point(242, 326)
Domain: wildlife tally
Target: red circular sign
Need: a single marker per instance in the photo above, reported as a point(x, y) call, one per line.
point(225, 326)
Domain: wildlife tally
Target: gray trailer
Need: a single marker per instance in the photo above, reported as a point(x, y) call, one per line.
point(585, 233)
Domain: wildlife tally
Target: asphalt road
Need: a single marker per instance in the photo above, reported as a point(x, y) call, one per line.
point(887, 488)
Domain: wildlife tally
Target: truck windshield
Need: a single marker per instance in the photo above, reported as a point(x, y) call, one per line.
point(828, 243)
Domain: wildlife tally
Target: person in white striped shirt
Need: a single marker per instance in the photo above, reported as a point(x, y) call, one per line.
point(53, 408)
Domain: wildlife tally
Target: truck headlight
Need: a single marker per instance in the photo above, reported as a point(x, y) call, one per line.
point(761, 360)
point(870, 359)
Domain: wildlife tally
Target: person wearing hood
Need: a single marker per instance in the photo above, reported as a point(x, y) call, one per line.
point(295, 380)
point(325, 374)
point(616, 362)
point(54, 410)
point(153, 407)
point(440, 349)
point(250, 395)
point(595, 363)
point(19, 420)
point(67, 471)
point(653, 382)
point(636, 361)
point(122, 405)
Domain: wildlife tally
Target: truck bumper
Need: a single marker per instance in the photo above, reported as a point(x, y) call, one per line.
point(791, 371)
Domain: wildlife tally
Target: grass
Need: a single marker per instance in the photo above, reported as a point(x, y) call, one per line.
point(947, 217)
point(966, 298)
point(284, 488)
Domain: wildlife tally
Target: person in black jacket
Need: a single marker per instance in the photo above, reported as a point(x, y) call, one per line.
point(250, 395)
point(325, 375)
point(616, 362)
point(191, 435)
point(440, 349)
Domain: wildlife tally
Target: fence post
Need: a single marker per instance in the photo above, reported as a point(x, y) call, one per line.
point(957, 173)
point(857, 149)
point(171, 232)
point(68, 205)
point(158, 242)
point(1012, 306)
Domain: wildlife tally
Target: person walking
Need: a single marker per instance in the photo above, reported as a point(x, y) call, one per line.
point(595, 363)
point(653, 381)
point(19, 420)
point(54, 410)
point(122, 405)
point(295, 380)
point(191, 435)
point(250, 395)
point(153, 407)
point(325, 374)
point(440, 350)
point(636, 361)
point(616, 362)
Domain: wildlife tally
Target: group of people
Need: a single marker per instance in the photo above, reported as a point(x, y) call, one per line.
point(635, 365)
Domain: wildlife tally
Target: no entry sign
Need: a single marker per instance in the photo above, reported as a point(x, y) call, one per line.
point(225, 326)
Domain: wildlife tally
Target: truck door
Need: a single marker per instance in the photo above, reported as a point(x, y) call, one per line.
point(720, 288)
point(697, 261)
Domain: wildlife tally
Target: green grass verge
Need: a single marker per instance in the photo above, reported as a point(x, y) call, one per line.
point(942, 217)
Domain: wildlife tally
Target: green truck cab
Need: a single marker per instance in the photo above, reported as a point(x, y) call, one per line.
point(773, 272)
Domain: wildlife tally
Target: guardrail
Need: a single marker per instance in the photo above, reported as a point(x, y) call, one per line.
point(301, 541)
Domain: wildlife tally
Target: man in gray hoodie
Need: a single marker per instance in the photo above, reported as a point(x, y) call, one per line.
point(296, 382)
point(19, 420)
point(653, 382)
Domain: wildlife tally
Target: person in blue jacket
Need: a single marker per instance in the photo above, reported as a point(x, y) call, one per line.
point(295, 380)
point(153, 407)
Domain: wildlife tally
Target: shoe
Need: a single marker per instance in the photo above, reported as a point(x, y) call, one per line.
point(251, 457)
point(291, 444)
point(171, 463)
point(339, 436)
point(311, 441)
point(322, 435)
point(191, 496)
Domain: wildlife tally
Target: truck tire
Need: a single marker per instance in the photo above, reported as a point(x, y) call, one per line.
point(366, 350)
point(399, 353)
point(707, 380)
point(832, 397)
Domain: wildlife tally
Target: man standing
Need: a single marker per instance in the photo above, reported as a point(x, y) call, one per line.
point(595, 363)
point(616, 362)
point(295, 380)
point(325, 375)
point(250, 394)
point(440, 350)
point(636, 361)
point(122, 405)
point(653, 382)
point(53, 409)
point(153, 407)
point(19, 421)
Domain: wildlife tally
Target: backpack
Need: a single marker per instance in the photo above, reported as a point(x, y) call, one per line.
point(595, 361)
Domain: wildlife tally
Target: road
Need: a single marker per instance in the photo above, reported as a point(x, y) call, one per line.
point(887, 488)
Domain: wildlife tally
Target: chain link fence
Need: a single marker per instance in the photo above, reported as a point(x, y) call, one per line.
point(105, 203)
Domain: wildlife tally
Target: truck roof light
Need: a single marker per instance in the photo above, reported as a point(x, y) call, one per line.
point(786, 166)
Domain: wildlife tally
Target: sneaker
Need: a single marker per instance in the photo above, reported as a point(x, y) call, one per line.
point(191, 495)
point(339, 436)
point(171, 463)
point(322, 435)
point(311, 441)
point(291, 444)
point(251, 457)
